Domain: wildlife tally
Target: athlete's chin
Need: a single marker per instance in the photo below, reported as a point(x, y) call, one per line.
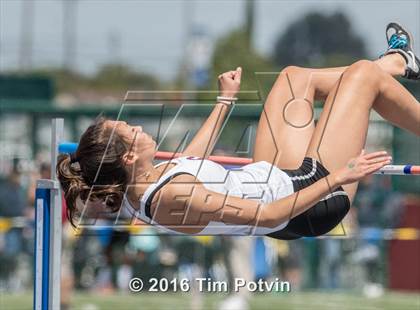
point(153, 145)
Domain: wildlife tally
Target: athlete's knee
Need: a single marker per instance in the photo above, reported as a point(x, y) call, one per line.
point(364, 71)
point(297, 77)
point(294, 72)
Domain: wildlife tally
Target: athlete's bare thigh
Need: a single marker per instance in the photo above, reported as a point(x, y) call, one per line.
point(286, 124)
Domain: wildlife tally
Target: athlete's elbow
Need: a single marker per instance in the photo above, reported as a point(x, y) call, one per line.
point(270, 218)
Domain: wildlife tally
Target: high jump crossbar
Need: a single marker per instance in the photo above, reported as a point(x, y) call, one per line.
point(235, 162)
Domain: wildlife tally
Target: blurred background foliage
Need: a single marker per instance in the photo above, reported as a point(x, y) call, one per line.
point(234, 50)
point(319, 40)
point(315, 39)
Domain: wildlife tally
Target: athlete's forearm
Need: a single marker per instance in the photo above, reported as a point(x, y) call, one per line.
point(282, 210)
point(203, 142)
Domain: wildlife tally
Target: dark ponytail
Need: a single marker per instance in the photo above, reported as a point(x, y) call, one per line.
point(95, 171)
point(72, 184)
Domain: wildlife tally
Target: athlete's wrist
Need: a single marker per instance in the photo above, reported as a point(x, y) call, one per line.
point(227, 94)
point(227, 100)
point(335, 180)
point(224, 103)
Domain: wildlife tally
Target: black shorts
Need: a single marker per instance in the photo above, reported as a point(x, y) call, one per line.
point(324, 215)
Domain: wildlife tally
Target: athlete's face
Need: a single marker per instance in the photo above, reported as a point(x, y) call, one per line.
point(137, 141)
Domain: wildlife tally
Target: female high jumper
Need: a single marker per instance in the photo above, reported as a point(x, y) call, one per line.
point(303, 178)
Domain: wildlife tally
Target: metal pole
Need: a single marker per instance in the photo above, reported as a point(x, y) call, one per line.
point(55, 220)
point(48, 232)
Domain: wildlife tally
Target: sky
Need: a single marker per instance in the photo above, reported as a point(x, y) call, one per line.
point(150, 35)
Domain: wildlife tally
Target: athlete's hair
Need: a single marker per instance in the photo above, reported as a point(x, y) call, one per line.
point(95, 171)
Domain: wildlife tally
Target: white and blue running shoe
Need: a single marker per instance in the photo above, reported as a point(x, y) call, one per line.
point(401, 41)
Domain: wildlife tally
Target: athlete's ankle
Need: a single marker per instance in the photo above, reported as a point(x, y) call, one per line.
point(394, 64)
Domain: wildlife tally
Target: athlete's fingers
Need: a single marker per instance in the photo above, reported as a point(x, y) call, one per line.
point(376, 167)
point(379, 159)
point(375, 154)
point(238, 74)
point(382, 163)
point(226, 75)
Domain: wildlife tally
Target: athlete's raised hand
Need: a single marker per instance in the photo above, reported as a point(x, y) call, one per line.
point(230, 82)
point(361, 166)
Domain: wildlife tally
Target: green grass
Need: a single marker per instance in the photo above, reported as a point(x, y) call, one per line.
point(171, 301)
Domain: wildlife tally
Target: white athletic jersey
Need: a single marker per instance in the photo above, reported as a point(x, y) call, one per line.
point(259, 181)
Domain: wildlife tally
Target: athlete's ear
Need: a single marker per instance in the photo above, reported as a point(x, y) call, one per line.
point(129, 158)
